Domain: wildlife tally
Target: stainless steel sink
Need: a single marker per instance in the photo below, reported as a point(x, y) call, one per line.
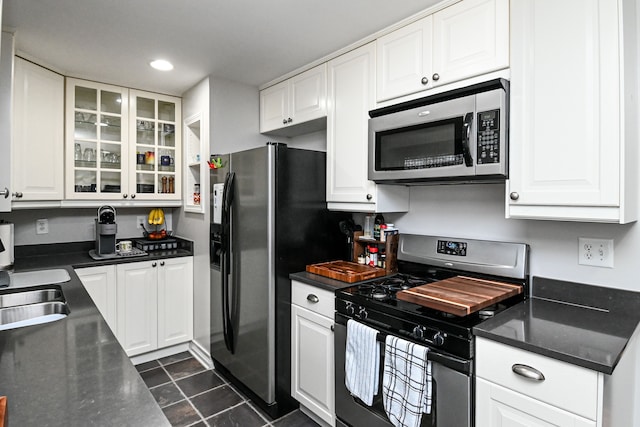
point(38, 277)
point(30, 297)
point(32, 314)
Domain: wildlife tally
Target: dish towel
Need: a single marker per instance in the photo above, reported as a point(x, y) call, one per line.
point(406, 382)
point(362, 361)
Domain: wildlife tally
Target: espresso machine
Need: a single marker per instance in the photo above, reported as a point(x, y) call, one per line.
point(106, 229)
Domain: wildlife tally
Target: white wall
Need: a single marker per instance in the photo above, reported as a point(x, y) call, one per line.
point(477, 211)
point(195, 226)
point(74, 225)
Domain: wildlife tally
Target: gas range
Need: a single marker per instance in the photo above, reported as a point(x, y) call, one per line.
point(429, 259)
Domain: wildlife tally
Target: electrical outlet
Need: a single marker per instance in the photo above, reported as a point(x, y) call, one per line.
point(42, 226)
point(140, 219)
point(595, 252)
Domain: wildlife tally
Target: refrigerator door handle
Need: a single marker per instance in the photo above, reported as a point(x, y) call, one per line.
point(227, 203)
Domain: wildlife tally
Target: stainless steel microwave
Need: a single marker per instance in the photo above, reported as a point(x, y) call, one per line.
point(457, 136)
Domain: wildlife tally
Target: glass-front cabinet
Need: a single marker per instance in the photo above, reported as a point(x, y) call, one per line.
point(122, 143)
point(155, 145)
point(97, 135)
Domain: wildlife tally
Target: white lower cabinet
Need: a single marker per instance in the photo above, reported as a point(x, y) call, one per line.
point(148, 305)
point(100, 283)
point(569, 395)
point(312, 359)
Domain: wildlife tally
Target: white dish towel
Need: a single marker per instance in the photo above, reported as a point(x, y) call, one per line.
point(362, 361)
point(406, 382)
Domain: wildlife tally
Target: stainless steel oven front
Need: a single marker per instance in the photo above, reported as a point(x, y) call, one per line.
point(452, 391)
point(457, 136)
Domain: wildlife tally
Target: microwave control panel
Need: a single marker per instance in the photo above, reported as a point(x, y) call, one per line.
point(488, 137)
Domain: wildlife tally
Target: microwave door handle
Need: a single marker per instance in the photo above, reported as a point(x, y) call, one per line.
point(466, 136)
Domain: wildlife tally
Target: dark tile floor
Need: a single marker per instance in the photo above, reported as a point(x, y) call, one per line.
point(191, 395)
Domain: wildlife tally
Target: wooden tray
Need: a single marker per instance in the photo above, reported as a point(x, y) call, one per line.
point(460, 295)
point(346, 271)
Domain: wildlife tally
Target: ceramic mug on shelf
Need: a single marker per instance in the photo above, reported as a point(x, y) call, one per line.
point(165, 160)
point(124, 246)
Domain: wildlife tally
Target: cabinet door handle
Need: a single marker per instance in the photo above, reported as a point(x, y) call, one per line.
point(17, 195)
point(369, 197)
point(133, 196)
point(125, 195)
point(161, 263)
point(154, 264)
point(313, 298)
point(424, 81)
point(436, 77)
point(289, 120)
point(514, 195)
point(5, 192)
point(284, 121)
point(527, 372)
point(333, 328)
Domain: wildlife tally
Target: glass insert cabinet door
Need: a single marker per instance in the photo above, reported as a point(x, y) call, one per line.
point(97, 129)
point(155, 141)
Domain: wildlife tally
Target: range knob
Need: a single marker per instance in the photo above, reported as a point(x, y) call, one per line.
point(418, 332)
point(438, 338)
point(350, 309)
point(363, 313)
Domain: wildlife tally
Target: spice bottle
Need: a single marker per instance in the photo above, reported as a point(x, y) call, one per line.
point(376, 226)
point(373, 256)
point(383, 229)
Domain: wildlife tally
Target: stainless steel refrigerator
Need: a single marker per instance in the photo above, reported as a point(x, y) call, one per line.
point(269, 219)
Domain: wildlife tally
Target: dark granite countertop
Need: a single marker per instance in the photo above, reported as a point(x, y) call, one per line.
point(76, 255)
point(72, 371)
point(319, 281)
point(584, 325)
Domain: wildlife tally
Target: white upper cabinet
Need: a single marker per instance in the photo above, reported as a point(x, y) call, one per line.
point(573, 136)
point(6, 75)
point(466, 39)
point(351, 95)
point(122, 144)
point(296, 105)
point(38, 133)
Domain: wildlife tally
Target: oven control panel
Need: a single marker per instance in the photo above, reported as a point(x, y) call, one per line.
point(450, 247)
point(488, 137)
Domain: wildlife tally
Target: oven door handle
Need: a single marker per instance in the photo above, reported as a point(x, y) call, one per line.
point(455, 363)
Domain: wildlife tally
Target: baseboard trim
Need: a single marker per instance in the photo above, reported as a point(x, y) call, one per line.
point(201, 354)
point(159, 354)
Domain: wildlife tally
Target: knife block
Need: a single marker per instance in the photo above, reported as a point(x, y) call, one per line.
point(390, 246)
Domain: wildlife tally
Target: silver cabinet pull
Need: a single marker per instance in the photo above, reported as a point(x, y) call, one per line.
point(436, 77)
point(5, 192)
point(424, 81)
point(284, 121)
point(161, 263)
point(369, 197)
point(527, 372)
point(514, 196)
point(289, 120)
point(312, 298)
point(17, 195)
point(154, 264)
point(125, 195)
point(333, 328)
point(133, 196)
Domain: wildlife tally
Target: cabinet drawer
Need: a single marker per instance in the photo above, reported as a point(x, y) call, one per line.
point(565, 386)
point(312, 298)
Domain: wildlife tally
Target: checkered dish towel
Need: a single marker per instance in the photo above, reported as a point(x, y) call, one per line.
point(362, 361)
point(406, 383)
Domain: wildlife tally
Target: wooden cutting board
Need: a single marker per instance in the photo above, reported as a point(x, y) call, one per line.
point(346, 271)
point(460, 295)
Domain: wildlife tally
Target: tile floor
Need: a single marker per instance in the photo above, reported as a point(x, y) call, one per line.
point(191, 395)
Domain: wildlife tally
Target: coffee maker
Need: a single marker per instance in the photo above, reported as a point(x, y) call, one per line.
point(106, 229)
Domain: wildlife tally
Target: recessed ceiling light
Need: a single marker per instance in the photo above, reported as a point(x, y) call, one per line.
point(162, 65)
